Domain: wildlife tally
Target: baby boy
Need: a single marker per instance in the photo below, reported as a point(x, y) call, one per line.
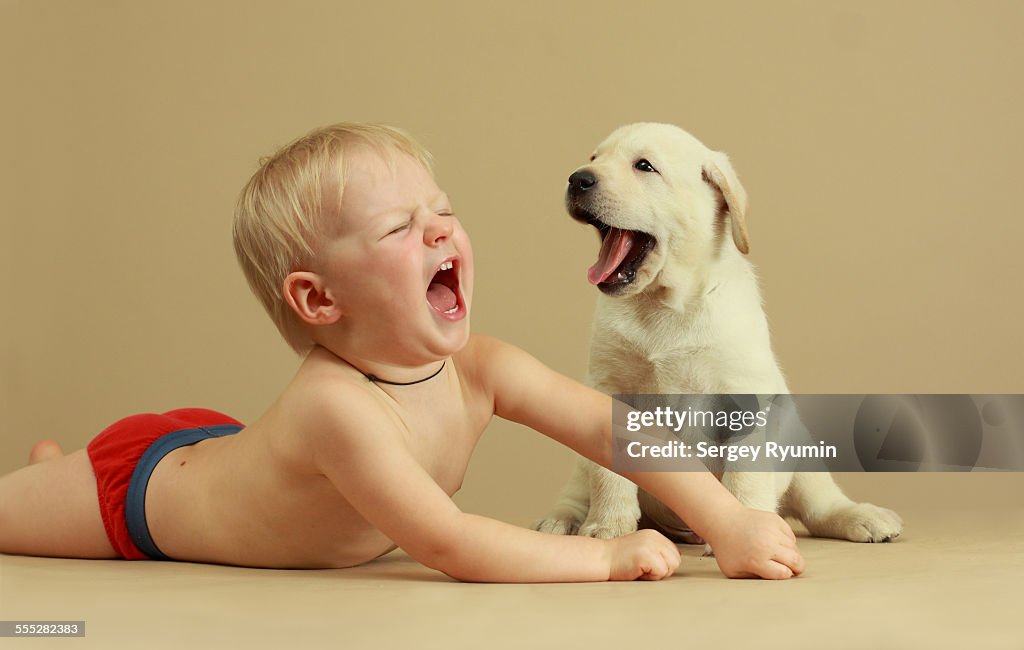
point(358, 258)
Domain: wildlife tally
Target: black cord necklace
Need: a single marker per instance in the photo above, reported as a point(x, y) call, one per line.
point(377, 380)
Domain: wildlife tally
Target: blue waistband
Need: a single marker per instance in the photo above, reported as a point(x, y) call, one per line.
point(135, 500)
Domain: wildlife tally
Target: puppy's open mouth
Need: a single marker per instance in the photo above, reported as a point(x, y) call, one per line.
point(622, 254)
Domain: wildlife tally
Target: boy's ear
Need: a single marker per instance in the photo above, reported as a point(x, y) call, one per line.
point(308, 297)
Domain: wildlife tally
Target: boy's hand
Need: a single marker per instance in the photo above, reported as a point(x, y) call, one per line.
point(645, 554)
point(753, 543)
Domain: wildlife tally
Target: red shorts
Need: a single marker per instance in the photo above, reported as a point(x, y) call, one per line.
point(115, 454)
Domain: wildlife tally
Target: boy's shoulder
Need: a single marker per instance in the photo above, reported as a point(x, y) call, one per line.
point(482, 347)
point(496, 366)
point(476, 349)
point(322, 402)
point(481, 357)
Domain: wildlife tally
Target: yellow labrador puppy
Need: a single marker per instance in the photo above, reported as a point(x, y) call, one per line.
point(680, 312)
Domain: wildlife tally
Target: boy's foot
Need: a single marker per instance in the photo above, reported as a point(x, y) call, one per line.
point(44, 450)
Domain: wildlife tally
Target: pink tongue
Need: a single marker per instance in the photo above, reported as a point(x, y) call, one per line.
point(614, 249)
point(440, 297)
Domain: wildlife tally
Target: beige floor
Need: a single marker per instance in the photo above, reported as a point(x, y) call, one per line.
point(954, 580)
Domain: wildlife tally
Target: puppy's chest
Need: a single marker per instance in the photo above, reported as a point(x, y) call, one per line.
point(629, 367)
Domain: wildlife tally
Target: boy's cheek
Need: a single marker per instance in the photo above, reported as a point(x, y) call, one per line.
point(464, 246)
point(467, 271)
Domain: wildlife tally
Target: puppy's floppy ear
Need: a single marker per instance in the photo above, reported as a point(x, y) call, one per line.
point(720, 175)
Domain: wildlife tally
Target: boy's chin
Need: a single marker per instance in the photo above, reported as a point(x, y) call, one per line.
point(458, 335)
point(453, 336)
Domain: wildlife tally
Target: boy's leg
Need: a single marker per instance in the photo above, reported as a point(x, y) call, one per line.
point(50, 508)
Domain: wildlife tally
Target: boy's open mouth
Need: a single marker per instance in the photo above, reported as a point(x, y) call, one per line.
point(443, 290)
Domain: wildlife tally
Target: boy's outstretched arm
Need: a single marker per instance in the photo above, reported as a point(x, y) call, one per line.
point(362, 452)
point(747, 542)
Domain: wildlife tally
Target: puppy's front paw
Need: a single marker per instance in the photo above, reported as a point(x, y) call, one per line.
point(864, 522)
point(558, 523)
point(608, 527)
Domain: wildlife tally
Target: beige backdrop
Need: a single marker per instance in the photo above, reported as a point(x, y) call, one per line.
point(879, 142)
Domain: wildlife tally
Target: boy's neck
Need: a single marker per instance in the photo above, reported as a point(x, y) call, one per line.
point(378, 380)
point(384, 372)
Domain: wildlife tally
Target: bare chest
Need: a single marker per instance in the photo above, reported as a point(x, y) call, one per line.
point(442, 443)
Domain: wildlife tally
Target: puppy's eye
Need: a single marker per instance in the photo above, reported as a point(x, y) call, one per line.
point(644, 166)
point(593, 157)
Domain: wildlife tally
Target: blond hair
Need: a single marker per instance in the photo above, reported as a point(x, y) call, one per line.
point(283, 213)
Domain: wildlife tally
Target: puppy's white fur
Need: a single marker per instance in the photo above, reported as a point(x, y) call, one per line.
point(690, 322)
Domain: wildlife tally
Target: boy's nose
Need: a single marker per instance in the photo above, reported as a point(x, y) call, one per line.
point(439, 229)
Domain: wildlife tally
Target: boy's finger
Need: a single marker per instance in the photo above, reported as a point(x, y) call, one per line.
point(772, 570)
point(790, 558)
point(672, 559)
point(666, 565)
point(789, 541)
point(672, 550)
point(656, 570)
point(798, 565)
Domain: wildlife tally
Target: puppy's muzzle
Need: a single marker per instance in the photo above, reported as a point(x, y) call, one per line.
point(579, 194)
point(582, 181)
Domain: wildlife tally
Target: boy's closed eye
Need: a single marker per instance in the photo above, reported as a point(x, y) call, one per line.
point(399, 229)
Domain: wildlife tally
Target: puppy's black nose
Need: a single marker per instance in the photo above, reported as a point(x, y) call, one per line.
point(582, 181)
